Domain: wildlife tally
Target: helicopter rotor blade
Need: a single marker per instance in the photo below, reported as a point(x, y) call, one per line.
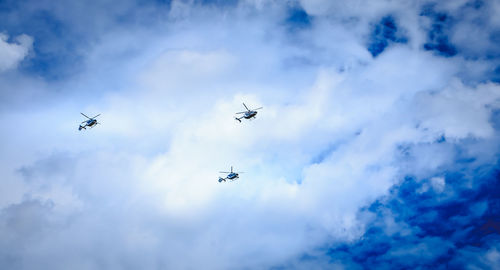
point(245, 106)
point(240, 112)
point(224, 172)
point(95, 116)
point(258, 108)
point(86, 116)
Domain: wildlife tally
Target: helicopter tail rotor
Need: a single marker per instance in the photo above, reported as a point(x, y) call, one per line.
point(221, 179)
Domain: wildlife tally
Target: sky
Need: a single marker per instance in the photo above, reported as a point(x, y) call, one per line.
point(377, 147)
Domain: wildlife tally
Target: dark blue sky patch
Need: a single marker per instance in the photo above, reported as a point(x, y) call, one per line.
point(437, 36)
point(8, 5)
point(473, 257)
point(46, 30)
point(218, 3)
point(495, 77)
point(489, 223)
point(56, 42)
point(55, 47)
point(430, 219)
point(163, 2)
point(495, 37)
point(495, 116)
point(475, 4)
point(441, 46)
point(61, 41)
point(383, 34)
point(469, 30)
point(441, 139)
point(297, 17)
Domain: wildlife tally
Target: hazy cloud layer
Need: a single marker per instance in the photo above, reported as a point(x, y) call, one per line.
point(377, 146)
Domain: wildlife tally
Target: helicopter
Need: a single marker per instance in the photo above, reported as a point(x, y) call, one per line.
point(91, 122)
point(231, 175)
point(248, 114)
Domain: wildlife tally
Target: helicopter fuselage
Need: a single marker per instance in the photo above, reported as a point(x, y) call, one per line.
point(91, 123)
point(230, 176)
point(250, 114)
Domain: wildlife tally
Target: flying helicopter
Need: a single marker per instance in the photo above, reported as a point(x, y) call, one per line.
point(248, 114)
point(91, 122)
point(231, 175)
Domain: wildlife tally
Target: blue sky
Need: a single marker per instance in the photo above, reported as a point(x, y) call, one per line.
point(377, 147)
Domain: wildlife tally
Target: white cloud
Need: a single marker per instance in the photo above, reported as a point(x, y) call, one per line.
point(12, 53)
point(459, 111)
point(141, 189)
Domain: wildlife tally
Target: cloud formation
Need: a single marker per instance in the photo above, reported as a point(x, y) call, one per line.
point(377, 146)
point(11, 53)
